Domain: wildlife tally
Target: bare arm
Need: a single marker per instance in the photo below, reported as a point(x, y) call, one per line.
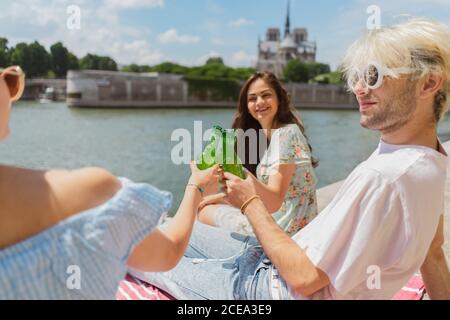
point(290, 260)
point(435, 271)
point(274, 192)
point(79, 190)
point(163, 249)
point(32, 201)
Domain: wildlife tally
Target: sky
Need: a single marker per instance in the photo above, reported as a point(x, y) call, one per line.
point(190, 31)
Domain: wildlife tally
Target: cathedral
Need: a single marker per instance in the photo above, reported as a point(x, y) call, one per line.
point(274, 53)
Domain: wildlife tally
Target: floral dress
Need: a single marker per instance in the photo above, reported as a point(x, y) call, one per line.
point(288, 146)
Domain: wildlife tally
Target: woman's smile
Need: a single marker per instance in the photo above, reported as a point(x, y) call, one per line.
point(262, 111)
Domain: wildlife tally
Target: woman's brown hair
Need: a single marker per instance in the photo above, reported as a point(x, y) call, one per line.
point(286, 114)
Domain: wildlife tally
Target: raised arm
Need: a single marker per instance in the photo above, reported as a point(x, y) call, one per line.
point(435, 271)
point(273, 193)
point(163, 249)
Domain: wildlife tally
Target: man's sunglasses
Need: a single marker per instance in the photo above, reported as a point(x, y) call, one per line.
point(15, 80)
point(373, 76)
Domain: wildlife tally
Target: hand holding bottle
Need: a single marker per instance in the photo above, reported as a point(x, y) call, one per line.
point(207, 181)
point(221, 150)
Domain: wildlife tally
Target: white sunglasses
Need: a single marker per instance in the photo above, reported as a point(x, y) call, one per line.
point(373, 75)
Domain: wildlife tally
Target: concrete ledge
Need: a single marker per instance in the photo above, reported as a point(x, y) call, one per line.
point(326, 194)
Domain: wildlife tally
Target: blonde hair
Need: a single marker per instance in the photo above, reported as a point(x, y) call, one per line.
point(420, 44)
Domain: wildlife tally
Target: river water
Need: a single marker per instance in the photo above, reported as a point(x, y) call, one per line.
point(137, 143)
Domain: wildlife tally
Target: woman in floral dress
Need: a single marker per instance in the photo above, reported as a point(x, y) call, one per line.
point(285, 176)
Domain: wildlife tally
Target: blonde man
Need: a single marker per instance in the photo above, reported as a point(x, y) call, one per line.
point(386, 220)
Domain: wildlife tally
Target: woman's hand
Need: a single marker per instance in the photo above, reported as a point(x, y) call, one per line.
point(208, 179)
point(237, 190)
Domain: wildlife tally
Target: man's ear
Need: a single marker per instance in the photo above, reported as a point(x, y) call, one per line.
point(430, 85)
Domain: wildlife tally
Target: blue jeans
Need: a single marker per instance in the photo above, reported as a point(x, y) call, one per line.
point(218, 265)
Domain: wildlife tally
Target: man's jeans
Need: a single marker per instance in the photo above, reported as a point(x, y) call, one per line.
point(218, 265)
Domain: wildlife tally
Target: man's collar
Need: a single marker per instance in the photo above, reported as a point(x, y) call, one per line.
point(385, 147)
point(440, 148)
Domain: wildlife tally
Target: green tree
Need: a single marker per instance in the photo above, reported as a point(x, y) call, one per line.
point(131, 68)
point(136, 68)
point(213, 69)
point(20, 55)
point(60, 59)
point(315, 69)
point(94, 62)
point(4, 53)
point(34, 59)
point(169, 67)
point(145, 68)
point(296, 71)
point(214, 60)
point(242, 73)
point(217, 71)
point(90, 61)
point(330, 78)
point(41, 60)
point(107, 63)
point(74, 63)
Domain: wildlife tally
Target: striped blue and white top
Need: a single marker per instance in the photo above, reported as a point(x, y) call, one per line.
point(85, 256)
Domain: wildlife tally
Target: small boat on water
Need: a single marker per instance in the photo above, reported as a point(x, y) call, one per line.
point(48, 96)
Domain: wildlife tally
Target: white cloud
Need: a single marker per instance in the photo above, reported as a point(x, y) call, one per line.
point(101, 31)
point(172, 36)
point(34, 12)
point(350, 21)
point(138, 51)
point(132, 4)
point(240, 23)
point(242, 59)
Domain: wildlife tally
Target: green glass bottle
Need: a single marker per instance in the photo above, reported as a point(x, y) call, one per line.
point(220, 149)
point(207, 158)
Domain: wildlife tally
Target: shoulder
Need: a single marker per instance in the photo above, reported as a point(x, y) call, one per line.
point(91, 178)
point(365, 179)
point(404, 176)
point(365, 190)
point(93, 186)
point(291, 133)
point(400, 164)
point(290, 129)
point(59, 192)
